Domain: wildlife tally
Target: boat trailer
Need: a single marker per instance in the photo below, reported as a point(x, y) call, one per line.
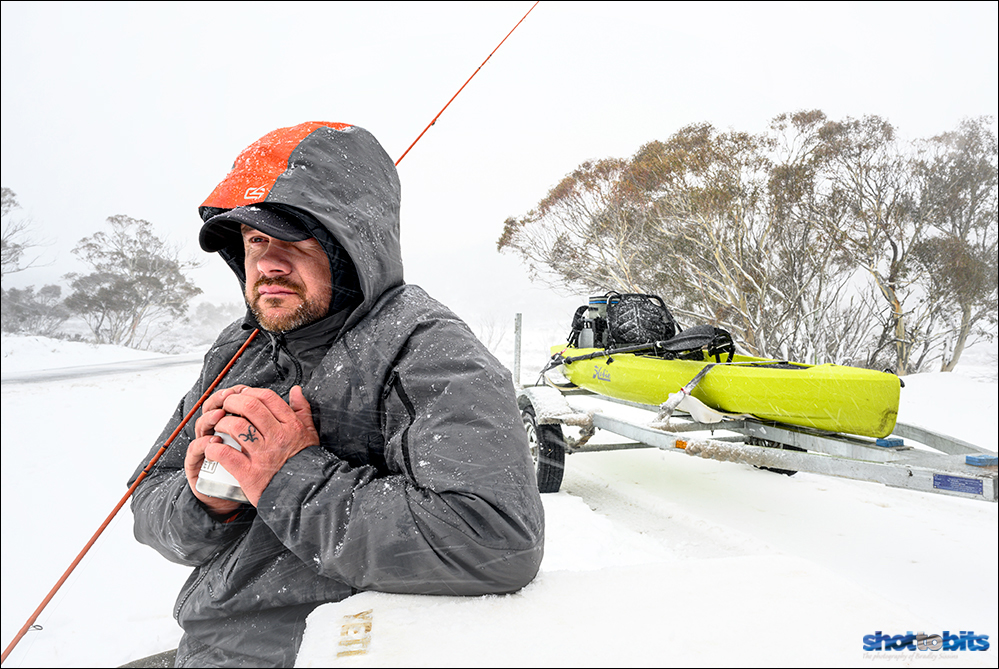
point(943, 464)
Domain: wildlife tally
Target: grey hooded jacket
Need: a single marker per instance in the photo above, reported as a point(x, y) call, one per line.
point(422, 482)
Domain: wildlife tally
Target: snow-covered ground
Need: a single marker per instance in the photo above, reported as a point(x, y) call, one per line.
point(26, 353)
point(651, 558)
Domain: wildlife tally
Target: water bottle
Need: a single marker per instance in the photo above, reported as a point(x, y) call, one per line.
point(586, 335)
point(215, 481)
point(597, 313)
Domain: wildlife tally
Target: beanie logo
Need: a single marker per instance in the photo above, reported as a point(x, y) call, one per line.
point(255, 193)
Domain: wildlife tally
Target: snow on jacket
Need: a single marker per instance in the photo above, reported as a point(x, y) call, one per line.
point(422, 482)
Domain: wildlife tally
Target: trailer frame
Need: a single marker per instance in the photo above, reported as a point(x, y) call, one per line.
point(943, 464)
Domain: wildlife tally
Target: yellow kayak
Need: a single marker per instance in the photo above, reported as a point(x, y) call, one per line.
point(826, 397)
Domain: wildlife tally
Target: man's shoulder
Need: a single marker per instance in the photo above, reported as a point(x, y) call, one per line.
point(411, 300)
point(400, 313)
point(402, 310)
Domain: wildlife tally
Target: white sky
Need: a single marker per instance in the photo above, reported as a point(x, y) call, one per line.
point(140, 108)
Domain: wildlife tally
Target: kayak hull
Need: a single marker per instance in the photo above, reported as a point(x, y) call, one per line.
point(834, 398)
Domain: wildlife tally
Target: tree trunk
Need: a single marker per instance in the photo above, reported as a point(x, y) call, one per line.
point(901, 344)
point(962, 339)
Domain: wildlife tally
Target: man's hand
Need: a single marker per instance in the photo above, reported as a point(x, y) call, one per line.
point(221, 508)
point(268, 429)
point(204, 430)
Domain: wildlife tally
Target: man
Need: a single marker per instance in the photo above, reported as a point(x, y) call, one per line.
point(381, 444)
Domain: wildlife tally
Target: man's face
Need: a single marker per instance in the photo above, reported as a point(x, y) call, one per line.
point(288, 284)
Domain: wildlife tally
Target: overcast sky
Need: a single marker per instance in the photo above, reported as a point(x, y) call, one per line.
point(140, 108)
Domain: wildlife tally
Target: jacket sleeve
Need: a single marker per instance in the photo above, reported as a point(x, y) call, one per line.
point(459, 512)
point(166, 514)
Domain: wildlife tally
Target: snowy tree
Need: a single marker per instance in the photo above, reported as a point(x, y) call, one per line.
point(718, 224)
point(818, 240)
point(870, 209)
point(37, 313)
point(957, 263)
point(136, 287)
point(16, 238)
point(25, 311)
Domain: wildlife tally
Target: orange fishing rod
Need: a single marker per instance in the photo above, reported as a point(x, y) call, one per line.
point(190, 414)
point(466, 83)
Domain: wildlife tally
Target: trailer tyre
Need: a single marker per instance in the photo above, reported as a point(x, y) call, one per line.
point(756, 441)
point(548, 450)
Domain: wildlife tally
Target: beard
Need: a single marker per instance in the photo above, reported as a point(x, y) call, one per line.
point(309, 310)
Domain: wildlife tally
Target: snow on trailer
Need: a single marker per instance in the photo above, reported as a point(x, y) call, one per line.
point(942, 464)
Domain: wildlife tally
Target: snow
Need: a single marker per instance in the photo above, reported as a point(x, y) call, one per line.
point(651, 558)
point(24, 353)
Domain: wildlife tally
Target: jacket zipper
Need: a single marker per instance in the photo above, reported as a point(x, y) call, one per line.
point(396, 383)
point(190, 591)
point(201, 577)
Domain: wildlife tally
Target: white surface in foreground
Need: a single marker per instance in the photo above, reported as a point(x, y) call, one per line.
point(691, 613)
point(650, 557)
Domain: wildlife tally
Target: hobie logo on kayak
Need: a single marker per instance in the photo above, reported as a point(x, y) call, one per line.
point(964, 640)
point(601, 373)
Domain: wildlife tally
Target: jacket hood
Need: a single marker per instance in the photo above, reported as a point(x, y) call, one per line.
point(340, 177)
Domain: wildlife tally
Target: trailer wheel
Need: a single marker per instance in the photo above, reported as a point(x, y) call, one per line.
point(756, 441)
point(548, 450)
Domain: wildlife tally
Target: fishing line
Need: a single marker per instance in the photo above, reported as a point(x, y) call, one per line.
point(145, 472)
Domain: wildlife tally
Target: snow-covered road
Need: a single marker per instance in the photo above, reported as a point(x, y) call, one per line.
point(104, 369)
